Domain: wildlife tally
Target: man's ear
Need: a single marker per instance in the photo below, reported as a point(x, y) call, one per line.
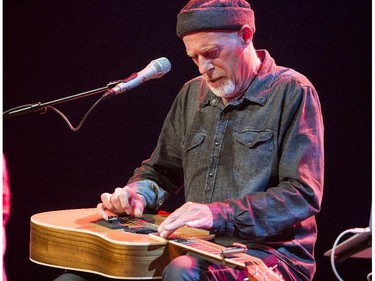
point(246, 33)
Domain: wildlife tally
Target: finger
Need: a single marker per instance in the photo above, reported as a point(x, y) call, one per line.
point(116, 200)
point(165, 229)
point(138, 209)
point(125, 201)
point(171, 218)
point(101, 208)
point(176, 214)
point(181, 221)
point(106, 199)
point(165, 234)
point(182, 210)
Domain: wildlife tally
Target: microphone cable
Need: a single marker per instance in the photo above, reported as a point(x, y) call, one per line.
point(75, 129)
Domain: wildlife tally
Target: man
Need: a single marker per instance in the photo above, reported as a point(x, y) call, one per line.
point(245, 140)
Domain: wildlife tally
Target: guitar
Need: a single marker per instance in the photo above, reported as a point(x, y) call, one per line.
point(230, 256)
point(126, 247)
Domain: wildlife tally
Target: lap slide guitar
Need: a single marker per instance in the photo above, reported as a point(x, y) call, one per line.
point(125, 247)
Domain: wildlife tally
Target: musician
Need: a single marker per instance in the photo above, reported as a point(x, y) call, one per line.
point(245, 141)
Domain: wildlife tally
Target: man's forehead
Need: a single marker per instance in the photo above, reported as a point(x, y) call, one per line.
point(201, 41)
point(199, 48)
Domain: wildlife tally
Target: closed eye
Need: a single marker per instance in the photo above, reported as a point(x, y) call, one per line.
point(212, 53)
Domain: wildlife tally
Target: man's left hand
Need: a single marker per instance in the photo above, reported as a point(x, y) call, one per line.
point(190, 214)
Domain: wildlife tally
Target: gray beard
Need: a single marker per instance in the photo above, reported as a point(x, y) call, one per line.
point(224, 90)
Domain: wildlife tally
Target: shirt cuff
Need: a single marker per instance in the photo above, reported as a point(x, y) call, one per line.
point(223, 217)
point(154, 195)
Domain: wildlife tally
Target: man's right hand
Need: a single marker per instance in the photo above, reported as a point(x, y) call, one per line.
point(122, 200)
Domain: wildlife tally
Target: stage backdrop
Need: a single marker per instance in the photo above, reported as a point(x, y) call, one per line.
point(54, 49)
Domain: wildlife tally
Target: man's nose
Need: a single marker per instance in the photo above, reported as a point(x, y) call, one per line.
point(205, 65)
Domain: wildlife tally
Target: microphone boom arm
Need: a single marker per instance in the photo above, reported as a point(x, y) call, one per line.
point(42, 107)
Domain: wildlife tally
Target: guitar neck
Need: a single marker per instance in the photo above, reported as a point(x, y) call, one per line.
point(211, 251)
point(233, 256)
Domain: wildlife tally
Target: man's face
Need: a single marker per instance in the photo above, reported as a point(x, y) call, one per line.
point(219, 57)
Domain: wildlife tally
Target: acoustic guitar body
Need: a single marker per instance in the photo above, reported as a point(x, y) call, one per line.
point(80, 239)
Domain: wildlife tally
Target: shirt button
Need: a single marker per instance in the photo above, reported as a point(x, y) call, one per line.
point(216, 143)
point(211, 175)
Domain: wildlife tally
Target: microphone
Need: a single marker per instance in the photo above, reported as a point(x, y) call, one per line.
point(155, 69)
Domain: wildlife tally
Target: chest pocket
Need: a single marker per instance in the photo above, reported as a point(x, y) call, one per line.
point(193, 147)
point(192, 141)
point(252, 152)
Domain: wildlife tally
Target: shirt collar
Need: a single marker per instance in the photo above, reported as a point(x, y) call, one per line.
point(258, 89)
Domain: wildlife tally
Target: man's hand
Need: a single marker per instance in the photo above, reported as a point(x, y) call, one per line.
point(190, 214)
point(122, 200)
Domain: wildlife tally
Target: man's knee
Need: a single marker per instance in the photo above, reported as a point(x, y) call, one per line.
point(69, 277)
point(182, 268)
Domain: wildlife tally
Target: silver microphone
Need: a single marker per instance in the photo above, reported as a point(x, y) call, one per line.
point(155, 69)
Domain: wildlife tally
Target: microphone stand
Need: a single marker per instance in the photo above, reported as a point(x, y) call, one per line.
point(42, 107)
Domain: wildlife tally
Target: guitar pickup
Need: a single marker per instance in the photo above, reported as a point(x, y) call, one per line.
point(126, 224)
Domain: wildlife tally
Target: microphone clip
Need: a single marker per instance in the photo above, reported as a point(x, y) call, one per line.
point(111, 93)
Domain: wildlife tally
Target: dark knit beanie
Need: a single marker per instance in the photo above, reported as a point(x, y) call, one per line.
point(206, 15)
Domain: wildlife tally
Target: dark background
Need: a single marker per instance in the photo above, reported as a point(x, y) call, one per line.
point(54, 49)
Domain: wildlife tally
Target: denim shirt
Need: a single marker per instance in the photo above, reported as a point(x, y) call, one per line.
point(258, 162)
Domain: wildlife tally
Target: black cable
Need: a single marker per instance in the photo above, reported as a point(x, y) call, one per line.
point(75, 129)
